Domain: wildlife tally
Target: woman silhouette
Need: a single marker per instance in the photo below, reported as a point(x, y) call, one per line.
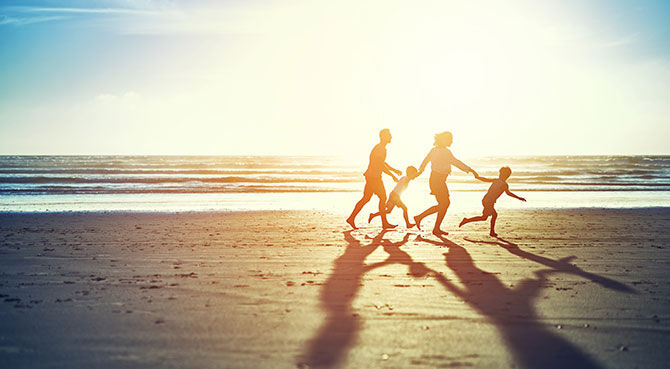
point(441, 160)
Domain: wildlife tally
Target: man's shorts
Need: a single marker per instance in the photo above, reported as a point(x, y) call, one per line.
point(375, 185)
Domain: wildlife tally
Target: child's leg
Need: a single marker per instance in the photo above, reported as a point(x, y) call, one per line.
point(494, 216)
point(389, 207)
point(473, 219)
point(488, 210)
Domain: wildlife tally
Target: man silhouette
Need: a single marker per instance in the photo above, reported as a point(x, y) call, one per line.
point(373, 180)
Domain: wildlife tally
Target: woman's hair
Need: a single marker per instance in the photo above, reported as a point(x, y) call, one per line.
point(444, 139)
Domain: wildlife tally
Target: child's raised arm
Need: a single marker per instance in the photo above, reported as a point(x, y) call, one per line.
point(509, 193)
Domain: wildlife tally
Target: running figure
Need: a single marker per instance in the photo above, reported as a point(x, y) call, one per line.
point(498, 186)
point(373, 180)
point(394, 196)
point(441, 160)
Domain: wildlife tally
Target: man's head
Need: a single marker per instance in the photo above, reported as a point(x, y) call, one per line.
point(444, 139)
point(505, 172)
point(411, 172)
point(385, 135)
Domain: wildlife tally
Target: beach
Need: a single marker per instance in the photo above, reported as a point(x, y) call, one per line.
point(299, 289)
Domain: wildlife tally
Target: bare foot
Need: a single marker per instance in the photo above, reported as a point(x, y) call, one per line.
point(462, 222)
point(493, 234)
point(389, 226)
point(439, 232)
point(410, 225)
point(372, 215)
point(417, 220)
point(351, 223)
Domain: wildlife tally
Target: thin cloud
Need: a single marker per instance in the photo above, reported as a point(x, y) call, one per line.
point(32, 9)
point(22, 21)
point(152, 20)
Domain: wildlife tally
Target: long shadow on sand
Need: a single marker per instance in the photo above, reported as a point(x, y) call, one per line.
point(561, 265)
point(339, 331)
point(532, 343)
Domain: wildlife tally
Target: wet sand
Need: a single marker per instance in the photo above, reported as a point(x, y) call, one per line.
point(287, 289)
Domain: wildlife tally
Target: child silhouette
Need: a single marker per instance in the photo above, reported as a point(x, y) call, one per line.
point(394, 196)
point(498, 186)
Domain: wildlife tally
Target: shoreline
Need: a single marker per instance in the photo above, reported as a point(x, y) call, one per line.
point(415, 197)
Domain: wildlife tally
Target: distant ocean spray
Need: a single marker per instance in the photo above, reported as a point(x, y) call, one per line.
point(24, 179)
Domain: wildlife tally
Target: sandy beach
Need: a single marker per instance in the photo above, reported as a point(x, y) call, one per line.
point(297, 289)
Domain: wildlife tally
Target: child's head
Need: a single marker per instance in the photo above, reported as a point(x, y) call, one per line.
point(411, 172)
point(385, 135)
point(505, 172)
point(444, 139)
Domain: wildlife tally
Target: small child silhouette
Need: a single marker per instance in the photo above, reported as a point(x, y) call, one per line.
point(498, 186)
point(394, 197)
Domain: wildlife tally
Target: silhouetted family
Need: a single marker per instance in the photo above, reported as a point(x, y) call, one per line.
point(441, 159)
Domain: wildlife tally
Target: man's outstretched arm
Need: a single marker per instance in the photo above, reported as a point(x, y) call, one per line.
point(388, 167)
point(387, 170)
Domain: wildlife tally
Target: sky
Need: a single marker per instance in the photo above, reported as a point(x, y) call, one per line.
point(323, 77)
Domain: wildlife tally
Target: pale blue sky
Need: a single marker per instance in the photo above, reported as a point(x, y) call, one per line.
point(266, 77)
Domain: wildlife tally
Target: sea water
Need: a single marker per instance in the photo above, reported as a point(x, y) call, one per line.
point(222, 183)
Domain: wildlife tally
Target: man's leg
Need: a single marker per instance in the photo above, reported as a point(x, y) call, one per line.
point(367, 195)
point(380, 191)
point(405, 214)
point(382, 210)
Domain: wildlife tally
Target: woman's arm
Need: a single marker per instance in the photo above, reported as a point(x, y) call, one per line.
point(459, 164)
point(483, 179)
point(425, 162)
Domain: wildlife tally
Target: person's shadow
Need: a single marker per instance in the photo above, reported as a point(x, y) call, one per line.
point(561, 265)
point(532, 343)
point(339, 331)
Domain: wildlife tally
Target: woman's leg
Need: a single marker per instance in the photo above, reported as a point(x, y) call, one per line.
point(431, 210)
point(441, 212)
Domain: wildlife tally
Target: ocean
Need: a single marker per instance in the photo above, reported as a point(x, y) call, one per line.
point(221, 183)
